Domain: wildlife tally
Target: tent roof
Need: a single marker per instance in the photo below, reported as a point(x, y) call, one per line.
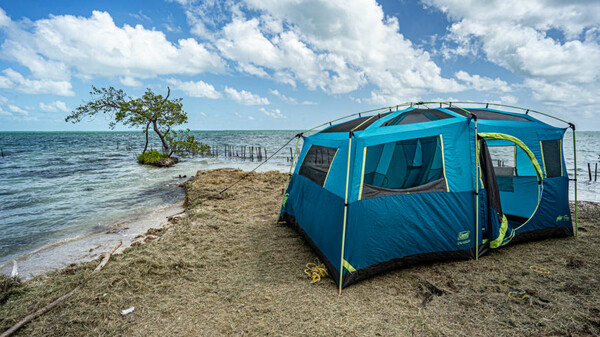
point(411, 118)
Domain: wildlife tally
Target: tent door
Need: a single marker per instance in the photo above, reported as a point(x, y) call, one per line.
point(513, 190)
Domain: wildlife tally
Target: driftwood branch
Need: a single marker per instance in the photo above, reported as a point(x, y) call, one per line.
point(61, 299)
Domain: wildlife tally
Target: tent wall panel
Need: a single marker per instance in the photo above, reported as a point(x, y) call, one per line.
point(553, 211)
point(319, 213)
point(391, 227)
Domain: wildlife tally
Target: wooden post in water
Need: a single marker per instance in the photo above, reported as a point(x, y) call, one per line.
point(596, 173)
point(590, 171)
point(291, 155)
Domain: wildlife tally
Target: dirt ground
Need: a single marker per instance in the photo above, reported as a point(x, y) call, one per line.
point(225, 268)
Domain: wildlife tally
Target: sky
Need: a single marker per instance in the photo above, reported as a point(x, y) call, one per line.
point(293, 64)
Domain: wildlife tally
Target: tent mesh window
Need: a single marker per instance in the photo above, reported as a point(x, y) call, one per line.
point(503, 161)
point(317, 162)
point(552, 158)
point(406, 166)
point(417, 116)
point(490, 115)
point(353, 124)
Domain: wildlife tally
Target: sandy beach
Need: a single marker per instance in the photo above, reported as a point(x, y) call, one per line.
point(224, 267)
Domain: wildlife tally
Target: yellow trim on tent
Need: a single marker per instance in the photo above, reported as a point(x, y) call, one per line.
point(536, 164)
point(443, 163)
point(349, 266)
point(543, 160)
point(479, 167)
point(345, 215)
point(503, 228)
point(531, 157)
point(329, 169)
point(362, 174)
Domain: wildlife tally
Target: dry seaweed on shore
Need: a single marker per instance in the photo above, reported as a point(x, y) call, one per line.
point(225, 268)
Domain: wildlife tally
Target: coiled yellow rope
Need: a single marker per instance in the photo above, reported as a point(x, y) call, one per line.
point(315, 271)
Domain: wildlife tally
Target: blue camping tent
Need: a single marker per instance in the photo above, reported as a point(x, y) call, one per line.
point(385, 191)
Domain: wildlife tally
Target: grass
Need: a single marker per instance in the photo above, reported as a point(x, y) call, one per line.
point(151, 157)
point(227, 269)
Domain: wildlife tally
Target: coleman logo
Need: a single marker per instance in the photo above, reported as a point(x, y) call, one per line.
point(463, 237)
point(563, 218)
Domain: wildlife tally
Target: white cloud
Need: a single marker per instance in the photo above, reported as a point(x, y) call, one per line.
point(482, 83)
point(571, 17)
point(130, 82)
point(195, 89)
point(335, 46)
point(288, 99)
point(531, 53)
point(275, 113)
point(16, 109)
point(62, 45)
point(553, 45)
point(3, 99)
point(253, 70)
point(563, 93)
point(4, 112)
point(140, 16)
point(55, 106)
point(251, 118)
point(4, 19)
point(509, 99)
point(245, 97)
point(14, 80)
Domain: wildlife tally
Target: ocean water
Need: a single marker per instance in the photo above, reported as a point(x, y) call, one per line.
point(62, 194)
point(62, 191)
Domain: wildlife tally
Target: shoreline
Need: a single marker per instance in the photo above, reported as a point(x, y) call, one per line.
point(89, 246)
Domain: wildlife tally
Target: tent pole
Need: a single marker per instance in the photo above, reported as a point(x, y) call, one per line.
point(575, 167)
point(345, 214)
point(476, 193)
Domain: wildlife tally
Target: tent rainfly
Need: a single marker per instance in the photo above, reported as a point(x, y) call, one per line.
point(404, 186)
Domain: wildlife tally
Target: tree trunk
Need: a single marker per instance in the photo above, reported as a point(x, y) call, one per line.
point(165, 145)
point(146, 146)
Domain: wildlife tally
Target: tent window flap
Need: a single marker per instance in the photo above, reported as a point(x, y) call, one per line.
point(317, 162)
point(551, 151)
point(406, 166)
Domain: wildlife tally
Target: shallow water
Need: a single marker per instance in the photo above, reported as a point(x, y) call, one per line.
point(56, 186)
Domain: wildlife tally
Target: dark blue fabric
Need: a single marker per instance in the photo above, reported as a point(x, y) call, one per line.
point(553, 210)
point(319, 213)
point(385, 228)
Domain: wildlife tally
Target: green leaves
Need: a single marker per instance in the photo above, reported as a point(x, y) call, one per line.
point(150, 109)
point(185, 144)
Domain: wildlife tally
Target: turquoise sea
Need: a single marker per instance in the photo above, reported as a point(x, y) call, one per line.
point(62, 194)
